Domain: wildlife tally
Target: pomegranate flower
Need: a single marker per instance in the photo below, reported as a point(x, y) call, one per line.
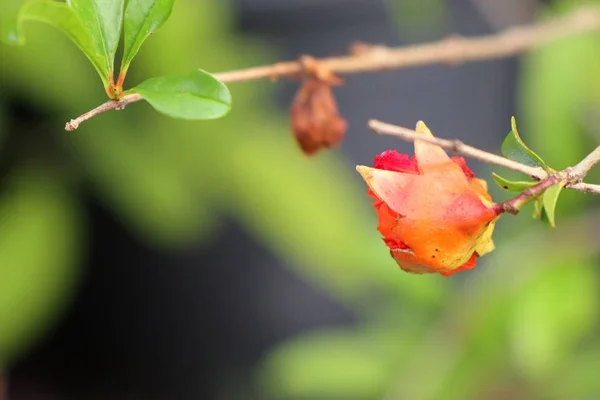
point(434, 214)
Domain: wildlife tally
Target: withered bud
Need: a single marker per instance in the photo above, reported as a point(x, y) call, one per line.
point(315, 120)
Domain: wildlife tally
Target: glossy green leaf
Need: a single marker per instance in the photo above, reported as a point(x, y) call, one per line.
point(103, 20)
point(550, 198)
point(60, 16)
point(513, 186)
point(197, 95)
point(515, 149)
point(142, 18)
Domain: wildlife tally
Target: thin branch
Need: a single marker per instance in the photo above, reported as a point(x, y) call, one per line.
point(108, 106)
point(514, 205)
point(581, 169)
point(457, 146)
point(453, 51)
point(572, 176)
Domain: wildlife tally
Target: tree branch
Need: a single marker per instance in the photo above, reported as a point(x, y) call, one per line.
point(108, 106)
point(514, 205)
point(453, 51)
point(580, 170)
point(572, 176)
point(457, 146)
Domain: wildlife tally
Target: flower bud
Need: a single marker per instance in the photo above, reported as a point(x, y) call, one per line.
point(434, 214)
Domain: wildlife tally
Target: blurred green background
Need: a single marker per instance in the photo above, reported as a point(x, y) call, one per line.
point(523, 325)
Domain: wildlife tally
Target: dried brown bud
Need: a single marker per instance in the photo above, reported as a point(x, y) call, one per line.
point(315, 120)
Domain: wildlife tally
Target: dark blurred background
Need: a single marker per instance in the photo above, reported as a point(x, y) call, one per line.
point(147, 258)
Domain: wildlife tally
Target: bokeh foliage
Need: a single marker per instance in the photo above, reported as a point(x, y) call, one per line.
point(524, 322)
point(169, 180)
point(522, 325)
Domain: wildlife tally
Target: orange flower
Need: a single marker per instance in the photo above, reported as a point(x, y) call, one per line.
point(434, 214)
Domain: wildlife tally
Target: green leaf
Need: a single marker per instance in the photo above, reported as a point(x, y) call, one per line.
point(513, 186)
point(142, 18)
point(538, 208)
point(60, 16)
point(197, 95)
point(515, 149)
point(550, 197)
point(103, 20)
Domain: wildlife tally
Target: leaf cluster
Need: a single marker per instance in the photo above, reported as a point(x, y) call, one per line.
point(96, 27)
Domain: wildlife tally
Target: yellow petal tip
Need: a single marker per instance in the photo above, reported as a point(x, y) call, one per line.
point(422, 128)
point(363, 170)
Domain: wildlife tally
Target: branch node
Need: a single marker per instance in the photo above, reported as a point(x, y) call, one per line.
point(71, 125)
point(317, 70)
point(456, 145)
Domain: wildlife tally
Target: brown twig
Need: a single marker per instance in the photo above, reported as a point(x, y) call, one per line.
point(108, 106)
point(456, 146)
point(454, 50)
point(581, 169)
point(513, 206)
point(572, 176)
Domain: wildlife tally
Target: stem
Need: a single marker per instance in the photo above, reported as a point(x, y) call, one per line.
point(109, 105)
point(514, 205)
point(582, 169)
point(457, 146)
point(572, 176)
point(121, 80)
point(451, 51)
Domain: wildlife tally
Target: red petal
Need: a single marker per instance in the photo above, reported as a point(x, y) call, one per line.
point(387, 220)
point(460, 161)
point(468, 265)
point(391, 160)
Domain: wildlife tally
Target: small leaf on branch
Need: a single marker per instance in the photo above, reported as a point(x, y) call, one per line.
point(103, 21)
point(538, 208)
point(512, 186)
point(60, 16)
point(550, 198)
point(515, 149)
point(142, 18)
point(195, 96)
